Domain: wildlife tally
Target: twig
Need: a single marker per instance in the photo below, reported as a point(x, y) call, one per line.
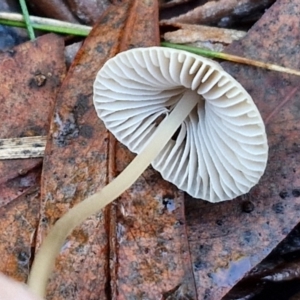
point(26, 147)
point(229, 57)
point(27, 20)
point(45, 24)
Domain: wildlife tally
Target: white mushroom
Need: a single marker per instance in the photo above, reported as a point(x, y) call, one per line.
point(220, 151)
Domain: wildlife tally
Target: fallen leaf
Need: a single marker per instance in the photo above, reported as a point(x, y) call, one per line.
point(54, 9)
point(206, 37)
point(213, 12)
point(13, 188)
point(228, 239)
point(18, 226)
point(105, 258)
point(88, 11)
point(187, 33)
point(29, 77)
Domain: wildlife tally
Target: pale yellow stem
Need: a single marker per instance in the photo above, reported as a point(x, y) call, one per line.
point(45, 258)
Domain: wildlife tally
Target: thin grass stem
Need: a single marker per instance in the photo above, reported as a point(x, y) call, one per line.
point(229, 57)
point(45, 24)
point(27, 19)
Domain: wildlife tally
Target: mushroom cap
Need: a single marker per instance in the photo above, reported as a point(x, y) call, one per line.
point(221, 149)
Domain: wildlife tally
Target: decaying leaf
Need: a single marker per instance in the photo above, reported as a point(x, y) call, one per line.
point(29, 77)
point(207, 37)
point(213, 12)
point(18, 226)
point(88, 11)
point(25, 108)
point(55, 9)
point(187, 33)
point(228, 239)
point(136, 247)
point(71, 51)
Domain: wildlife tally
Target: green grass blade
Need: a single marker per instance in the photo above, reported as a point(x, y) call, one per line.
point(27, 20)
point(45, 24)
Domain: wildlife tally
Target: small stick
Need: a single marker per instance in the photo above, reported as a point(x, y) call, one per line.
point(25, 147)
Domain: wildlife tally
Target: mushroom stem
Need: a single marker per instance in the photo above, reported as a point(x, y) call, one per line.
point(45, 258)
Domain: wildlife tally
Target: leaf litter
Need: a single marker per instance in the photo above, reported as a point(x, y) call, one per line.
point(219, 236)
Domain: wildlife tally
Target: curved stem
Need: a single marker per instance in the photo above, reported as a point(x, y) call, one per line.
point(45, 258)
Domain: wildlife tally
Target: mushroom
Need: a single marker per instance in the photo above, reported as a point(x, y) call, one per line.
point(219, 150)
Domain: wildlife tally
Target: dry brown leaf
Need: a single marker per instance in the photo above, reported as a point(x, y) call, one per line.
point(25, 107)
point(18, 226)
point(228, 239)
point(187, 34)
point(137, 247)
point(55, 9)
point(88, 11)
point(214, 11)
point(29, 77)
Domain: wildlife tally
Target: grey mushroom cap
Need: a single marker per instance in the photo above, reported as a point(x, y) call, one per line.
point(221, 149)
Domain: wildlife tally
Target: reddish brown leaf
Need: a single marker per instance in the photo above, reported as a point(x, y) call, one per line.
point(136, 247)
point(25, 105)
point(228, 239)
point(13, 188)
point(151, 250)
point(29, 77)
point(80, 159)
point(148, 237)
point(19, 220)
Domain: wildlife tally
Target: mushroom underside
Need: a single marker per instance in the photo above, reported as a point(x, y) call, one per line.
point(221, 148)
